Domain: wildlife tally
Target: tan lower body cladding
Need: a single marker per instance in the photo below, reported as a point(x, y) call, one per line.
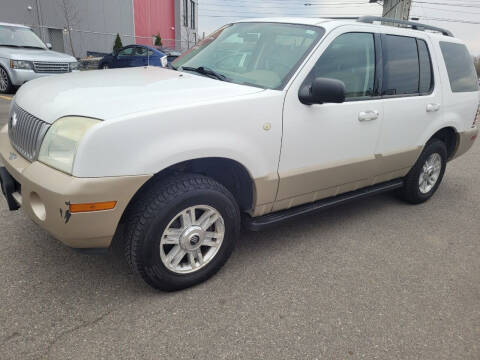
point(46, 194)
point(311, 184)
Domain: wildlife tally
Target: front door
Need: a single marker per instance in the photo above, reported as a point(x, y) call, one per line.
point(328, 149)
point(140, 56)
point(124, 57)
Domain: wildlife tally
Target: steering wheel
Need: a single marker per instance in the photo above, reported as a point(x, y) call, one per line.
point(273, 63)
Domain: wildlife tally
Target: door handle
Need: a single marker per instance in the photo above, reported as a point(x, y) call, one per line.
point(368, 115)
point(432, 107)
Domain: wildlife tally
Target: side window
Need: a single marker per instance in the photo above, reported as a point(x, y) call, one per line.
point(351, 59)
point(401, 73)
point(140, 51)
point(460, 69)
point(126, 52)
point(426, 75)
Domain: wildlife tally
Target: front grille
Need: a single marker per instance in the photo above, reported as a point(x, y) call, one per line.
point(50, 67)
point(26, 132)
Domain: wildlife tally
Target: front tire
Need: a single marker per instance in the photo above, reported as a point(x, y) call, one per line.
point(426, 175)
point(181, 230)
point(6, 86)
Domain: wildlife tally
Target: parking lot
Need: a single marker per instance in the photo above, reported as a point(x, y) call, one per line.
point(375, 279)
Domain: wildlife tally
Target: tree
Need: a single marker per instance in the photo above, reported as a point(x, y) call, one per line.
point(158, 40)
point(70, 15)
point(118, 43)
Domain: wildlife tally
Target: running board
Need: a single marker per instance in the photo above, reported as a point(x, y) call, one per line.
point(265, 221)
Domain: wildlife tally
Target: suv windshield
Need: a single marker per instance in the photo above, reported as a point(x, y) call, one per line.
point(19, 37)
point(258, 54)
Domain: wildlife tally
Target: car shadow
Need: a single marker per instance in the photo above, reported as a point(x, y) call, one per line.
point(72, 274)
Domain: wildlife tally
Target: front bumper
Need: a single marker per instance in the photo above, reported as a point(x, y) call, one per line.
point(45, 194)
point(21, 76)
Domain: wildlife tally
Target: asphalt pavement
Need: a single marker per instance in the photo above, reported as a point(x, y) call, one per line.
point(374, 279)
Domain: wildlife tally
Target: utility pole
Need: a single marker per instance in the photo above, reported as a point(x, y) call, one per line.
point(397, 9)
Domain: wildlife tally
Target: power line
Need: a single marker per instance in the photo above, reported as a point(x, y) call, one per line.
point(451, 20)
point(447, 10)
point(444, 4)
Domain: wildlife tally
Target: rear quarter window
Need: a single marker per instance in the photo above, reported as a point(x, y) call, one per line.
point(460, 69)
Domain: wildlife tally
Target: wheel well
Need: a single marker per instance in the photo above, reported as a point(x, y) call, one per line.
point(449, 137)
point(4, 68)
point(227, 172)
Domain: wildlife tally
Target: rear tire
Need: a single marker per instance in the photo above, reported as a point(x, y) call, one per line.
point(166, 241)
point(426, 175)
point(6, 86)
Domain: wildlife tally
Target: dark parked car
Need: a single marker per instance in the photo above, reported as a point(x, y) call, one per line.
point(132, 56)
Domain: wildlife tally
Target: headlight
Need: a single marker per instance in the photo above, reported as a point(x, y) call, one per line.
point(164, 61)
point(74, 66)
point(21, 64)
point(60, 145)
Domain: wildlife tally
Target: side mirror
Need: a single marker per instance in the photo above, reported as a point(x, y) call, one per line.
point(322, 90)
point(49, 45)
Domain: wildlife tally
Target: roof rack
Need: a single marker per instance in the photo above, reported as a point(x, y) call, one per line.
point(411, 24)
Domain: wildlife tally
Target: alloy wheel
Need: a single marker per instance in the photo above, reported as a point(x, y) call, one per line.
point(430, 173)
point(192, 239)
point(3, 80)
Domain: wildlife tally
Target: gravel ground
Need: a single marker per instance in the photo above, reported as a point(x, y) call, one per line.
point(375, 279)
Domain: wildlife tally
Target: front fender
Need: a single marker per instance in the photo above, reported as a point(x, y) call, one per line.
point(246, 129)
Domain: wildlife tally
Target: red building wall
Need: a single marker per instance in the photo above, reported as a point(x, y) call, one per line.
point(152, 17)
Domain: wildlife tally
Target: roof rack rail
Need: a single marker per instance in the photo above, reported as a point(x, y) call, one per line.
point(411, 24)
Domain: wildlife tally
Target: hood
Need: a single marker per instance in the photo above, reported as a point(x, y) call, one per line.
point(34, 55)
point(108, 94)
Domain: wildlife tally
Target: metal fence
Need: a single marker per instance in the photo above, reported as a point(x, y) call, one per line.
point(86, 42)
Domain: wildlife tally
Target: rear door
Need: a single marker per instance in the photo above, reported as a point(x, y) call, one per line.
point(412, 99)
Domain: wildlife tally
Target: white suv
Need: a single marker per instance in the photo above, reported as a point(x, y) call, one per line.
point(262, 121)
point(23, 57)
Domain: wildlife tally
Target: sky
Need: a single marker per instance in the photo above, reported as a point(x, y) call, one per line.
point(462, 17)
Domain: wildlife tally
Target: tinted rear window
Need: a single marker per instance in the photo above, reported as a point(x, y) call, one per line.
point(461, 72)
point(400, 65)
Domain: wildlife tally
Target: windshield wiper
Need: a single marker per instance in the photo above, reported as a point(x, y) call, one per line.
point(206, 71)
point(10, 45)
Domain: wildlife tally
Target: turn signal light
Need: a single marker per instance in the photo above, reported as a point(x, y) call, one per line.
point(107, 205)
